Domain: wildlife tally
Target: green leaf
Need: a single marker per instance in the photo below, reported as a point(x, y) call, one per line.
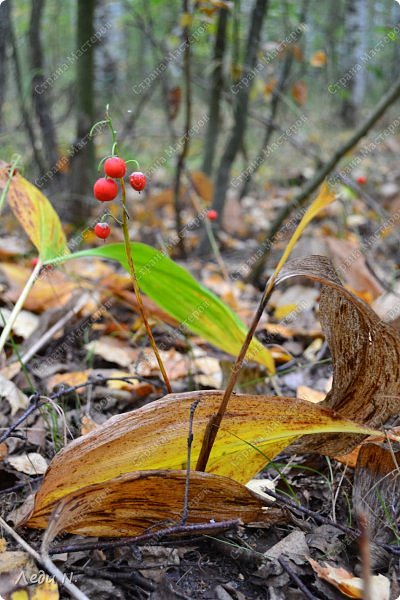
point(182, 297)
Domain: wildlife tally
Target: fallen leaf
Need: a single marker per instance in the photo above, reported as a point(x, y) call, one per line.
point(253, 431)
point(25, 324)
point(135, 502)
point(48, 590)
point(318, 59)
point(351, 266)
point(307, 393)
point(203, 185)
point(17, 399)
point(299, 92)
point(31, 463)
point(51, 290)
point(3, 452)
point(351, 586)
point(87, 425)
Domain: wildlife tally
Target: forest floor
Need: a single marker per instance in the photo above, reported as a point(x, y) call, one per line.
point(315, 492)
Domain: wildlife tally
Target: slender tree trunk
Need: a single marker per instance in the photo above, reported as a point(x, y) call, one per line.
point(40, 92)
point(83, 163)
point(26, 118)
point(242, 89)
point(356, 18)
point(216, 89)
point(186, 140)
point(4, 41)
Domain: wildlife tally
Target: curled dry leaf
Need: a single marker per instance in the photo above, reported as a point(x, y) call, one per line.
point(375, 495)
point(365, 354)
point(131, 503)
point(351, 586)
point(253, 431)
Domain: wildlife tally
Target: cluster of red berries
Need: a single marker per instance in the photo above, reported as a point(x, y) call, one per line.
point(106, 188)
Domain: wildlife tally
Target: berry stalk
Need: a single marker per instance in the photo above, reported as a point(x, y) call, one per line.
point(136, 289)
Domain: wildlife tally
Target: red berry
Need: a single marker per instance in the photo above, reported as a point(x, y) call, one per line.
point(102, 230)
point(212, 215)
point(34, 261)
point(105, 189)
point(138, 181)
point(115, 167)
point(361, 180)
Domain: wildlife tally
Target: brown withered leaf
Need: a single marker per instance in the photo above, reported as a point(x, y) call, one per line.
point(131, 503)
point(253, 431)
point(365, 354)
point(376, 495)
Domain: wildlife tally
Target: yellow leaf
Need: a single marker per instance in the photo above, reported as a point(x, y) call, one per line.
point(325, 197)
point(318, 59)
point(283, 311)
point(186, 20)
point(36, 215)
point(253, 431)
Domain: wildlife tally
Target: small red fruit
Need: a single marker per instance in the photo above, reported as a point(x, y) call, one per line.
point(212, 215)
point(105, 189)
point(34, 261)
point(102, 230)
point(361, 180)
point(138, 181)
point(115, 167)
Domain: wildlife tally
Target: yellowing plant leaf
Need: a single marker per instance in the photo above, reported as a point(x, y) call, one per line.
point(324, 198)
point(351, 586)
point(132, 503)
point(253, 431)
point(36, 215)
point(318, 59)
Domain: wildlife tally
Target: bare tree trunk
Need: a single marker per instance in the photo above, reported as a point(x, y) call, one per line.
point(356, 18)
point(83, 167)
point(40, 97)
point(37, 154)
point(4, 41)
point(186, 140)
point(216, 87)
point(242, 89)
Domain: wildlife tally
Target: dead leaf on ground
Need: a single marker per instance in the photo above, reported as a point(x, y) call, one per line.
point(132, 503)
point(25, 324)
point(253, 431)
point(17, 399)
point(309, 394)
point(52, 289)
point(299, 92)
point(351, 266)
point(351, 586)
point(31, 463)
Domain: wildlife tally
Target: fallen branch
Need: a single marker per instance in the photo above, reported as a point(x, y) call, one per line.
point(176, 530)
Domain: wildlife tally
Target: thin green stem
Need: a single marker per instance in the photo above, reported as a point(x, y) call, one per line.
point(136, 289)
